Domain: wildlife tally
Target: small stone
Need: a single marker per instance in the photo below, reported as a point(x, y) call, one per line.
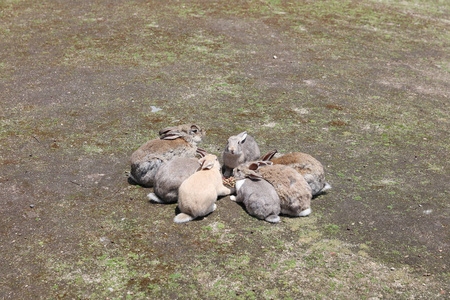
point(31, 206)
point(275, 57)
point(392, 269)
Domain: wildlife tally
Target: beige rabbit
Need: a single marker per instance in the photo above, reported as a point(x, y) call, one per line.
point(180, 141)
point(197, 194)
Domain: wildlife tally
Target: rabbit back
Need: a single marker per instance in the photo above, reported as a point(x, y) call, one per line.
point(171, 175)
point(305, 164)
point(195, 198)
point(260, 199)
point(293, 190)
point(197, 194)
point(146, 160)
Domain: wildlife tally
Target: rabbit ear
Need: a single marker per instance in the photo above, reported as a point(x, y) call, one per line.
point(206, 165)
point(171, 135)
point(167, 130)
point(254, 176)
point(264, 163)
point(253, 166)
point(242, 136)
point(269, 155)
point(200, 152)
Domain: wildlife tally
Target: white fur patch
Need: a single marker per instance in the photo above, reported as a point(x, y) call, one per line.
point(153, 197)
point(305, 212)
point(182, 218)
point(239, 184)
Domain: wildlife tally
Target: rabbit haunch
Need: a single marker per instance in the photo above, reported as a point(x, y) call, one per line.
point(240, 148)
point(197, 194)
point(180, 141)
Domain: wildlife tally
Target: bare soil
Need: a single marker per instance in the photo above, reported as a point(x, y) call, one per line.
point(363, 86)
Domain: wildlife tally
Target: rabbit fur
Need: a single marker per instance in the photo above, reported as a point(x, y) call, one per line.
point(239, 149)
point(197, 194)
point(293, 190)
point(180, 141)
point(258, 196)
point(171, 175)
point(311, 169)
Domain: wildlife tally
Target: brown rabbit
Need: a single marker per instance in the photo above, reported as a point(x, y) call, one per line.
point(311, 169)
point(180, 141)
point(293, 190)
point(197, 194)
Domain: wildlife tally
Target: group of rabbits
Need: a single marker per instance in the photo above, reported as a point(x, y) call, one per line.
point(267, 185)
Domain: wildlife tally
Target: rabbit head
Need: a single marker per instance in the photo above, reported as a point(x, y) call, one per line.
point(188, 131)
point(208, 162)
point(234, 142)
point(249, 170)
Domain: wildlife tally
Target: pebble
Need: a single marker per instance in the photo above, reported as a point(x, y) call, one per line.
point(31, 206)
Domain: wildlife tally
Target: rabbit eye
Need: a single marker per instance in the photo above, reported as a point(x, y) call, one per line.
point(194, 130)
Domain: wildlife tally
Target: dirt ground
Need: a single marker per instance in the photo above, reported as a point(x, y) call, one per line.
point(363, 86)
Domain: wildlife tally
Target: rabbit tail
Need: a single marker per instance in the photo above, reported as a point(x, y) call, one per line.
point(272, 219)
point(154, 198)
point(305, 212)
point(182, 218)
point(326, 187)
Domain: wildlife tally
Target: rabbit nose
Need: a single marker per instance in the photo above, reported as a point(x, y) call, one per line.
point(232, 151)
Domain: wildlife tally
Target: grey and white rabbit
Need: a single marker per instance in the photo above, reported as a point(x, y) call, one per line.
point(197, 194)
point(179, 141)
point(171, 175)
point(258, 196)
point(311, 169)
point(293, 190)
point(240, 148)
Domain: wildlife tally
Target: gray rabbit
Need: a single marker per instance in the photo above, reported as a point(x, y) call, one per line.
point(171, 175)
point(259, 196)
point(240, 148)
point(180, 141)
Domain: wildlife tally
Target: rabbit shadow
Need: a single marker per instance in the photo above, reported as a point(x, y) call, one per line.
point(178, 211)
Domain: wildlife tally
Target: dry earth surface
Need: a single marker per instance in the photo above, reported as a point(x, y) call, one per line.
point(363, 86)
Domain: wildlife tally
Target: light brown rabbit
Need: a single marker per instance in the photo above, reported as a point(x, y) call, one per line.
point(197, 194)
point(311, 169)
point(293, 190)
point(180, 141)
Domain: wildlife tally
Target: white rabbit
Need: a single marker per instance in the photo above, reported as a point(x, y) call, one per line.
point(197, 194)
point(293, 190)
point(240, 148)
point(259, 196)
point(311, 169)
point(180, 141)
point(171, 175)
